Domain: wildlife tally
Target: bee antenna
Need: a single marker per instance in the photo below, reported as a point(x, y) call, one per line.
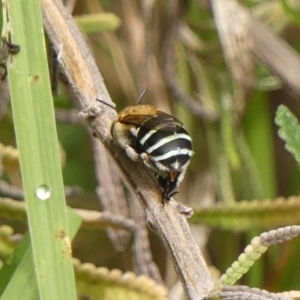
point(110, 104)
point(142, 96)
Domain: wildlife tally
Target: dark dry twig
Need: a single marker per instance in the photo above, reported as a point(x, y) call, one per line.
point(110, 192)
point(143, 260)
point(10, 190)
point(67, 116)
point(244, 293)
point(94, 219)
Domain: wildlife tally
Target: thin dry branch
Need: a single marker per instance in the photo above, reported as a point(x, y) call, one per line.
point(244, 292)
point(88, 85)
point(268, 47)
point(143, 260)
point(67, 116)
point(233, 22)
point(91, 219)
point(278, 55)
point(10, 190)
point(110, 192)
point(94, 219)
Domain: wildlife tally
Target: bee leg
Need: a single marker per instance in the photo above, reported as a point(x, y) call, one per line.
point(131, 153)
point(133, 131)
point(147, 162)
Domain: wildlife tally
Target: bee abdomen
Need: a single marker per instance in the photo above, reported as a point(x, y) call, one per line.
point(172, 149)
point(181, 140)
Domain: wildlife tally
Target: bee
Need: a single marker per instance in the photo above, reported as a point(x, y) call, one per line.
point(158, 140)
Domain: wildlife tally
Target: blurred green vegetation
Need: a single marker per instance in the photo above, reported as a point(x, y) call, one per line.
point(238, 156)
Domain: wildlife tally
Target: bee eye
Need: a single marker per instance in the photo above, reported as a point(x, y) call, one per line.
point(159, 139)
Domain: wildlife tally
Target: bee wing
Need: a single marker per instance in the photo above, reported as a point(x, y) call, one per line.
point(162, 120)
point(169, 122)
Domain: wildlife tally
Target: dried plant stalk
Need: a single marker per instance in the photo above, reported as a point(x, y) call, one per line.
point(234, 26)
point(111, 193)
point(143, 260)
point(271, 49)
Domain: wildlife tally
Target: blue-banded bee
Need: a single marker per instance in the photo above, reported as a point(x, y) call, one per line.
point(156, 138)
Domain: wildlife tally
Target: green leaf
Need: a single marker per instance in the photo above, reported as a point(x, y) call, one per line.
point(289, 130)
point(292, 12)
point(95, 23)
point(258, 134)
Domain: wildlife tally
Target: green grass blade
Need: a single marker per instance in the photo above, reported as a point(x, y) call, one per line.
point(258, 133)
point(39, 153)
point(17, 277)
point(20, 273)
